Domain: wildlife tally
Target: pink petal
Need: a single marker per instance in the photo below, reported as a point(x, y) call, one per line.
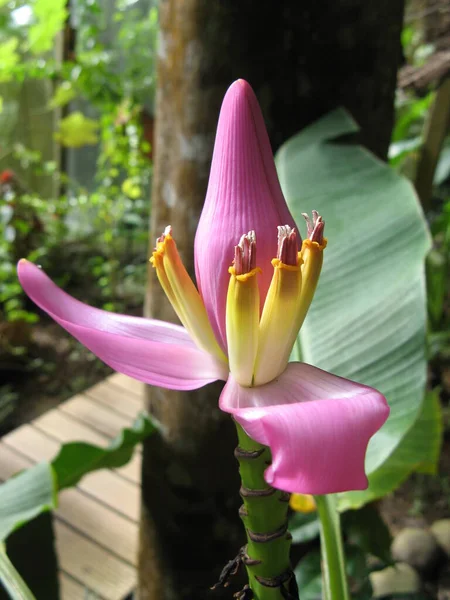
point(152, 351)
point(317, 426)
point(243, 194)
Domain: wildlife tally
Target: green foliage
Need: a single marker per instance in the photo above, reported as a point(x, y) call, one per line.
point(25, 496)
point(365, 529)
point(309, 576)
point(9, 58)
point(50, 16)
point(365, 535)
point(76, 131)
point(34, 491)
point(367, 321)
point(98, 226)
point(438, 287)
point(310, 581)
point(77, 459)
point(64, 94)
point(304, 527)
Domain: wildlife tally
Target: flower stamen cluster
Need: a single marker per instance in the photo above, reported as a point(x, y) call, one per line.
point(245, 254)
point(259, 342)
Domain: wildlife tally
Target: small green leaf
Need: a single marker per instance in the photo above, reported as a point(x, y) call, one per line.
point(76, 131)
point(76, 459)
point(50, 16)
point(9, 57)
point(25, 496)
point(366, 529)
point(131, 189)
point(63, 95)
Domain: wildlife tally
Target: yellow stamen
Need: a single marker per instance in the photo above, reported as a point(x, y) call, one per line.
point(279, 325)
point(312, 255)
point(183, 294)
point(242, 319)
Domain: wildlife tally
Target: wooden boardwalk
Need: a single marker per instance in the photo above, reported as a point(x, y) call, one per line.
point(96, 523)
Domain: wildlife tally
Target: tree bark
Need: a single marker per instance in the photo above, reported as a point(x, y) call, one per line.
point(303, 59)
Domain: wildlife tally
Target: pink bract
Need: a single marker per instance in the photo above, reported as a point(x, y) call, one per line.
point(152, 351)
point(316, 424)
point(243, 194)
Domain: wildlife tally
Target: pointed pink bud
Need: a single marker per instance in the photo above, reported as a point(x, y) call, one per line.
point(243, 194)
point(287, 245)
point(315, 227)
point(245, 254)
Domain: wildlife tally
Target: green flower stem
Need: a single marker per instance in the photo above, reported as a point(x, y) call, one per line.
point(11, 580)
point(264, 514)
point(333, 560)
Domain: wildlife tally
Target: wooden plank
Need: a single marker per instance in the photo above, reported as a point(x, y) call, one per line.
point(96, 521)
point(32, 443)
point(95, 415)
point(108, 487)
point(65, 428)
point(11, 462)
point(100, 524)
point(127, 383)
point(69, 589)
point(122, 401)
point(114, 491)
point(85, 561)
point(83, 513)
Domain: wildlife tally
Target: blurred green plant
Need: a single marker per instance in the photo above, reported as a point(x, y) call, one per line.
point(34, 491)
point(438, 286)
point(100, 227)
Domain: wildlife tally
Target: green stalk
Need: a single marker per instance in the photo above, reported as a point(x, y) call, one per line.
point(333, 560)
point(264, 514)
point(11, 580)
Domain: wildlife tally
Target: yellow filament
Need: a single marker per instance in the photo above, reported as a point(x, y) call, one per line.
point(312, 255)
point(183, 295)
point(242, 320)
point(279, 326)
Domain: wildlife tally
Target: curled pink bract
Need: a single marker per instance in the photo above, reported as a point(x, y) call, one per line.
point(316, 424)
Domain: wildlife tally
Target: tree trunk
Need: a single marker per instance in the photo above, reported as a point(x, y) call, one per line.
point(303, 59)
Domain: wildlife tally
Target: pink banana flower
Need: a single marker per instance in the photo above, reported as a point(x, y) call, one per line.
point(241, 324)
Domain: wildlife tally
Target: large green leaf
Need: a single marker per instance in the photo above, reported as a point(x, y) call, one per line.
point(367, 321)
point(76, 459)
point(25, 496)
